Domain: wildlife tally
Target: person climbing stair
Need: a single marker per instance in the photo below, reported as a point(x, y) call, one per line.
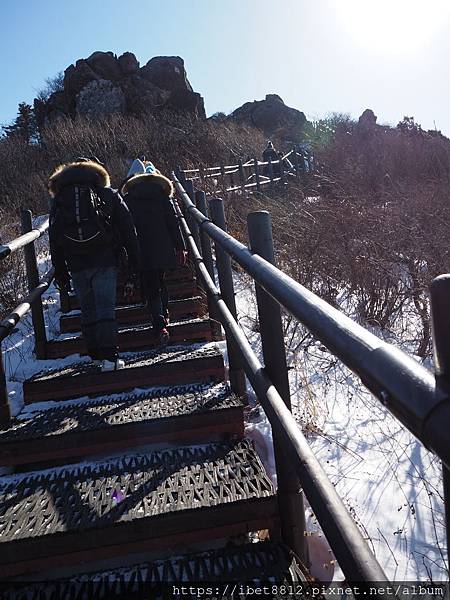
point(89, 225)
point(148, 195)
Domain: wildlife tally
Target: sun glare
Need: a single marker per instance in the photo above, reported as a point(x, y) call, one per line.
point(400, 26)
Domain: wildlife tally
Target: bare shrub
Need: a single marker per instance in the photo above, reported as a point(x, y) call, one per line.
point(168, 139)
point(52, 85)
point(373, 233)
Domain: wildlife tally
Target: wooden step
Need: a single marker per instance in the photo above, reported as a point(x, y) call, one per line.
point(269, 562)
point(132, 338)
point(176, 289)
point(136, 503)
point(175, 365)
point(179, 274)
point(134, 314)
point(197, 412)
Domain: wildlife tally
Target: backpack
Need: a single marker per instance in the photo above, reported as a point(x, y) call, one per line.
point(83, 223)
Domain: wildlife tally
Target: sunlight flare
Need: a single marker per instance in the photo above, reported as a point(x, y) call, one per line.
point(393, 26)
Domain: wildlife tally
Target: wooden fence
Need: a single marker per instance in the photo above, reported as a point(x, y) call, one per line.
point(252, 175)
point(31, 302)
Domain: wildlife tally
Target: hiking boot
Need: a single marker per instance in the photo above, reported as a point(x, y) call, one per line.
point(163, 336)
point(112, 365)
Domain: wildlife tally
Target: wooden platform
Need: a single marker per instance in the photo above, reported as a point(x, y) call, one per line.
point(132, 504)
point(186, 413)
point(175, 365)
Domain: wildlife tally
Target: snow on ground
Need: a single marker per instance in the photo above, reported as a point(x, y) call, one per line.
point(389, 482)
point(19, 361)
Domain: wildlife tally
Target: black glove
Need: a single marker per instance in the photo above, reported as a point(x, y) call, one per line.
point(182, 257)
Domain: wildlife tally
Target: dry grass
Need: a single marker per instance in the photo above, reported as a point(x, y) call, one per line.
point(370, 231)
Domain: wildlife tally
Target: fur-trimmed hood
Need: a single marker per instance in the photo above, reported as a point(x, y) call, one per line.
point(86, 172)
point(141, 183)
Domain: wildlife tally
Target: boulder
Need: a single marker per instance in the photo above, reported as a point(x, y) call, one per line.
point(128, 63)
point(57, 105)
point(103, 84)
point(77, 76)
point(367, 125)
point(272, 116)
point(99, 98)
point(367, 119)
point(105, 65)
point(186, 101)
point(167, 72)
point(59, 101)
point(142, 95)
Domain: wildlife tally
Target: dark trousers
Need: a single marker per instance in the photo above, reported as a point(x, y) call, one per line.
point(96, 291)
point(156, 296)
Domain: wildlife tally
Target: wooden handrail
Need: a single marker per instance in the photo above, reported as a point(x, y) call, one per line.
point(23, 240)
point(6, 328)
point(351, 550)
point(9, 322)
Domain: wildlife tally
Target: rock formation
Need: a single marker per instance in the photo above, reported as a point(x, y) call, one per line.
point(368, 119)
point(104, 84)
point(272, 116)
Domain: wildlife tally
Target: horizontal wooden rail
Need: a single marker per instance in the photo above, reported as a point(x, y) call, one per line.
point(282, 164)
point(8, 324)
point(23, 240)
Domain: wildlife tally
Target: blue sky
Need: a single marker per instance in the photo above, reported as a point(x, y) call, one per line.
point(320, 56)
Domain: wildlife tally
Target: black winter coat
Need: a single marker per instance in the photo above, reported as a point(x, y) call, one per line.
point(148, 197)
point(94, 175)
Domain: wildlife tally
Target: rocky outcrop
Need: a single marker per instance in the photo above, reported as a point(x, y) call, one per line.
point(128, 63)
point(368, 119)
point(100, 97)
point(104, 84)
point(167, 73)
point(272, 116)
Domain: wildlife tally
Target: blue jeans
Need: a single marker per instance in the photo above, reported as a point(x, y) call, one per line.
point(96, 291)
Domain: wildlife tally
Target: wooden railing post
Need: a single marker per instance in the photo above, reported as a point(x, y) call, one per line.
point(224, 270)
point(231, 179)
point(5, 411)
point(224, 183)
point(206, 253)
point(37, 313)
point(204, 239)
point(290, 495)
point(180, 175)
point(281, 168)
point(258, 181)
point(270, 171)
point(440, 299)
point(189, 187)
point(296, 163)
point(242, 176)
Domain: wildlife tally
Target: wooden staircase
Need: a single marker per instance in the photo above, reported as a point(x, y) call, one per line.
point(128, 469)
